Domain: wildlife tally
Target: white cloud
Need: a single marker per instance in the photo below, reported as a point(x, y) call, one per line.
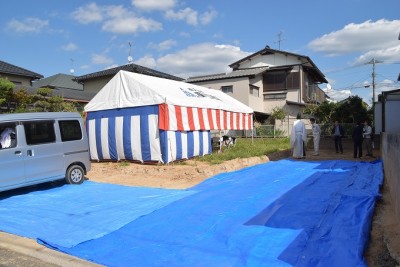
point(381, 55)
point(115, 19)
point(208, 16)
point(164, 45)
point(191, 16)
point(150, 5)
point(371, 39)
point(337, 95)
point(88, 14)
point(147, 61)
point(131, 25)
point(200, 59)
point(188, 15)
point(111, 66)
point(28, 25)
point(101, 60)
point(363, 37)
point(69, 47)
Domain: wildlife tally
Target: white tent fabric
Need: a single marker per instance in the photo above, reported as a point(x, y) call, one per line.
point(144, 118)
point(127, 89)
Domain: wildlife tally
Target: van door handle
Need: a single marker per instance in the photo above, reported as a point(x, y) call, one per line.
point(30, 153)
point(18, 153)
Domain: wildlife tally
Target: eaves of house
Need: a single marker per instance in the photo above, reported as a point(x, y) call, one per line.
point(249, 72)
point(128, 67)
point(8, 68)
point(306, 62)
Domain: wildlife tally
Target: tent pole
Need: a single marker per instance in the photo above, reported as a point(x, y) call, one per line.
point(220, 141)
point(252, 130)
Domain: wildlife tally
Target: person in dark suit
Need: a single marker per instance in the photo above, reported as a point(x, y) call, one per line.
point(358, 140)
point(338, 133)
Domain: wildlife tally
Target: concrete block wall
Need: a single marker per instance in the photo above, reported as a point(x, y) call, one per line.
point(390, 150)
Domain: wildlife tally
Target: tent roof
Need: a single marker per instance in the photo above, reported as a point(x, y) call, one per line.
point(127, 89)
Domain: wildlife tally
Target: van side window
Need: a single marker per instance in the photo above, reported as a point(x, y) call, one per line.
point(39, 132)
point(70, 130)
point(8, 135)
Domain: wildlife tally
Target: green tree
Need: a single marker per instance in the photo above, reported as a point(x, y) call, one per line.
point(23, 99)
point(6, 91)
point(352, 110)
point(41, 99)
point(322, 112)
point(277, 113)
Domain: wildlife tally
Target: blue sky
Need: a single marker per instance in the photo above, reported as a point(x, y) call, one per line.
point(190, 38)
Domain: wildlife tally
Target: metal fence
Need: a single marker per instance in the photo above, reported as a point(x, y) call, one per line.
point(283, 130)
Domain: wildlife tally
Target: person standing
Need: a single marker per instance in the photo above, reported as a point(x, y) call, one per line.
point(316, 132)
point(338, 133)
point(357, 140)
point(298, 138)
point(367, 133)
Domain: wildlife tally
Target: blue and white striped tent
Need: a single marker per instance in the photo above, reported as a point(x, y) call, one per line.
point(143, 118)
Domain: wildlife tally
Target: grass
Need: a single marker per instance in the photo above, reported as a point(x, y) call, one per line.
point(246, 148)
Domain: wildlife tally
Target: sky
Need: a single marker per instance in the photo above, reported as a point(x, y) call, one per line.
point(191, 38)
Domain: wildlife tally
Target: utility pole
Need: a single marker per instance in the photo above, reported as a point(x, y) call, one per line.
point(373, 62)
point(373, 81)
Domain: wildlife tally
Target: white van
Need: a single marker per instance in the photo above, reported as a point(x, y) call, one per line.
point(41, 147)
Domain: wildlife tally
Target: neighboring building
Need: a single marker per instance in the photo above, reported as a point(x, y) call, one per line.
point(19, 76)
point(64, 85)
point(93, 82)
point(270, 78)
point(386, 111)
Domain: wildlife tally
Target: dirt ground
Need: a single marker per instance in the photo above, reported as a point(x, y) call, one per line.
point(384, 246)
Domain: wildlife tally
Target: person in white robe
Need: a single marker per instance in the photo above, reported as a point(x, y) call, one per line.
point(298, 138)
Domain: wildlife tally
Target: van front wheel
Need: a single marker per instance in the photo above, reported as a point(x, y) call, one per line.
point(75, 175)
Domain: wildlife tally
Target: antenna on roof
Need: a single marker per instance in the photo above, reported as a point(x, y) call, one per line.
point(279, 39)
point(129, 57)
point(72, 67)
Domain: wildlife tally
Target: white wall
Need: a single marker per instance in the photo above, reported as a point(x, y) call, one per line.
point(95, 85)
point(276, 59)
point(241, 91)
point(378, 117)
point(392, 111)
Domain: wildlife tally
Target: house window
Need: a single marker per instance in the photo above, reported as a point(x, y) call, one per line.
point(227, 89)
point(254, 90)
point(281, 80)
point(278, 96)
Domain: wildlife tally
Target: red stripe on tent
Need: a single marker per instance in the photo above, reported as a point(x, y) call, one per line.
point(230, 120)
point(179, 122)
point(218, 119)
point(250, 126)
point(225, 120)
point(210, 120)
point(164, 117)
point(201, 118)
point(190, 118)
point(238, 126)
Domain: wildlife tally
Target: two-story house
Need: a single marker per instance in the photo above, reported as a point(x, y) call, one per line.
point(270, 78)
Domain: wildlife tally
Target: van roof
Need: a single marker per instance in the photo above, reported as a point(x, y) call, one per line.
point(38, 115)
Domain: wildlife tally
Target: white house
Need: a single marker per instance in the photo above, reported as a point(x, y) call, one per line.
point(270, 78)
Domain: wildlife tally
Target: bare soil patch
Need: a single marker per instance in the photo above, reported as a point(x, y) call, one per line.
point(383, 248)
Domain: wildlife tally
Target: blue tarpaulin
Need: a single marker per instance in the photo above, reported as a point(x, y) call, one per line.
point(283, 213)
point(70, 215)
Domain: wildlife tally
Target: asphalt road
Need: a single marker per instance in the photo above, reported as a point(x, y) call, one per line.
point(17, 251)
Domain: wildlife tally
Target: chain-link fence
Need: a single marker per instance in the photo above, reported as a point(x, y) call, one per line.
point(283, 130)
